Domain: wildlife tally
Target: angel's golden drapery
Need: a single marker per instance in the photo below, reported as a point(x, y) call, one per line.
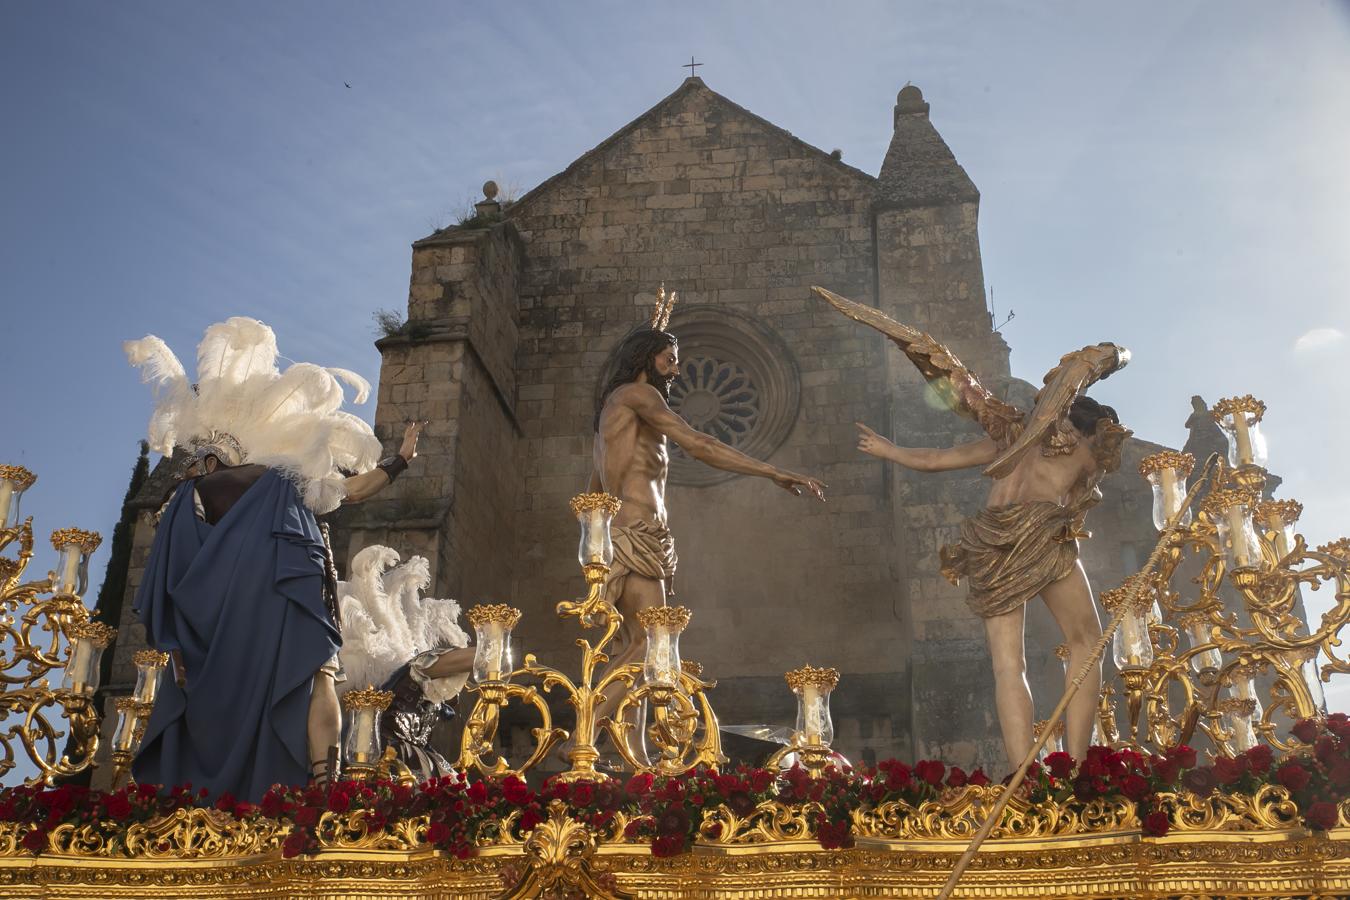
point(1009, 554)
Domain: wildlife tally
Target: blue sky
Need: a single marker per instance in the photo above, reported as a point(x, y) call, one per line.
point(1171, 176)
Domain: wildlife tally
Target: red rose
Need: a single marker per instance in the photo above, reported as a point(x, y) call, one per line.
point(630, 831)
point(225, 802)
point(339, 801)
point(1166, 770)
point(1325, 749)
point(834, 836)
point(117, 806)
point(741, 803)
point(1184, 755)
point(437, 832)
point(478, 793)
point(1085, 788)
point(671, 791)
point(979, 778)
point(35, 840)
point(306, 816)
point(957, 778)
point(1060, 764)
point(1339, 724)
point(930, 770)
point(1230, 770)
point(1200, 782)
point(244, 810)
point(668, 845)
point(273, 805)
point(1321, 815)
point(1135, 787)
point(1339, 772)
point(1156, 824)
point(898, 777)
point(761, 780)
point(1260, 757)
point(583, 793)
point(294, 844)
point(1293, 776)
point(673, 821)
point(531, 818)
point(517, 793)
point(1305, 730)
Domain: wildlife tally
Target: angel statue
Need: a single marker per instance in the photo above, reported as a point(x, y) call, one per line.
point(1046, 465)
point(396, 639)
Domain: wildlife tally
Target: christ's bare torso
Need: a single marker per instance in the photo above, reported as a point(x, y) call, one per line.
point(632, 460)
point(1041, 477)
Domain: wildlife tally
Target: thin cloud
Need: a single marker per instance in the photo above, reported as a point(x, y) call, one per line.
point(1318, 339)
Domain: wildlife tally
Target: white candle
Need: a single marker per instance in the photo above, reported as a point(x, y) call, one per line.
point(6, 501)
point(365, 734)
point(1237, 534)
point(68, 580)
point(595, 536)
point(1243, 437)
point(1129, 628)
point(1167, 477)
point(814, 721)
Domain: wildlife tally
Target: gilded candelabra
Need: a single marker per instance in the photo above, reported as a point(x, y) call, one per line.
point(663, 690)
point(1194, 658)
point(53, 630)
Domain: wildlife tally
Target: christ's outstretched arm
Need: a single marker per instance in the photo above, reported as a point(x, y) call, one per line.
point(651, 407)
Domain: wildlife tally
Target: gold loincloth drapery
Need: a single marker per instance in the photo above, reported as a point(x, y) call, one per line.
point(1010, 553)
point(640, 549)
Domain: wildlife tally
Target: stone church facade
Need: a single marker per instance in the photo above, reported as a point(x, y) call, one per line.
point(511, 321)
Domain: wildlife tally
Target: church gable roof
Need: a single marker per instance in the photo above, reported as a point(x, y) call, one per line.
point(683, 93)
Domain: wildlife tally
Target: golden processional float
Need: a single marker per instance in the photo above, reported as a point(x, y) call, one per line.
point(1211, 649)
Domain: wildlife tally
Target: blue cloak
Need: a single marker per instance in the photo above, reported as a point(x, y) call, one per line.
point(242, 601)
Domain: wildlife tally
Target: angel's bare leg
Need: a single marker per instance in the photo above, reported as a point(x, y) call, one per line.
point(1070, 602)
point(325, 721)
point(1012, 694)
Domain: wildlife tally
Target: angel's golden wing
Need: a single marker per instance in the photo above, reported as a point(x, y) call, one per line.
point(952, 381)
point(1065, 383)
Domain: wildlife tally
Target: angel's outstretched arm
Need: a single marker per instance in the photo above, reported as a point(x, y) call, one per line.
point(927, 459)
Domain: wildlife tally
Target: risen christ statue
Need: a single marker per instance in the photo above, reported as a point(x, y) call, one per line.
point(632, 426)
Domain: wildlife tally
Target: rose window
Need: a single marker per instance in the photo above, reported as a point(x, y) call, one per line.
point(718, 398)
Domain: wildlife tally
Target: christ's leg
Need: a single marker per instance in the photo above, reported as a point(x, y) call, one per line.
point(638, 594)
point(325, 723)
point(1070, 602)
point(1012, 695)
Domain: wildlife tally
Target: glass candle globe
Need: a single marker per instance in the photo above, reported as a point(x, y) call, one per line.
point(664, 625)
point(1240, 419)
point(594, 512)
point(813, 687)
point(1166, 472)
point(492, 657)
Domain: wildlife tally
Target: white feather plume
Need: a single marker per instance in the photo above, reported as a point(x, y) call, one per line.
point(291, 421)
point(386, 621)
